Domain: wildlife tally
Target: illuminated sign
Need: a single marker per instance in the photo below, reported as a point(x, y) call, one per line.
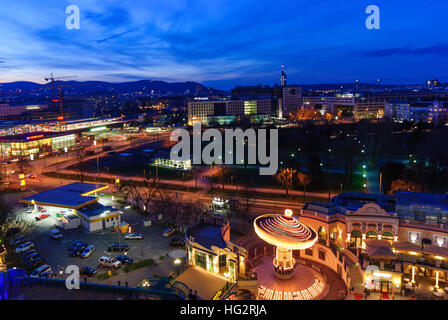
point(39, 136)
point(60, 118)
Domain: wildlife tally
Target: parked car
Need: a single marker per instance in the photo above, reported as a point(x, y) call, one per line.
point(18, 240)
point(42, 216)
point(55, 234)
point(32, 176)
point(109, 262)
point(73, 245)
point(12, 232)
point(78, 249)
point(117, 247)
point(38, 271)
point(34, 264)
point(87, 271)
point(134, 236)
point(30, 258)
point(87, 251)
point(28, 253)
point(24, 247)
point(168, 232)
point(124, 259)
point(48, 274)
point(177, 242)
point(29, 210)
point(217, 216)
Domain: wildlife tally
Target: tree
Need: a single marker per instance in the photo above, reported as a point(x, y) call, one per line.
point(131, 193)
point(140, 196)
point(8, 221)
point(194, 211)
point(404, 185)
point(80, 155)
point(148, 192)
point(171, 204)
point(286, 177)
point(196, 173)
point(303, 180)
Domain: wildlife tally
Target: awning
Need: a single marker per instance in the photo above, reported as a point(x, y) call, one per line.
point(379, 250)
point(406, 246)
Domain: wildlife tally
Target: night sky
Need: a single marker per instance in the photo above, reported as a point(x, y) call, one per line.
point(225, 43)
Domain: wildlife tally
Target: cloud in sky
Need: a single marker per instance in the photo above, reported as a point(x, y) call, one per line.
point(223, 43)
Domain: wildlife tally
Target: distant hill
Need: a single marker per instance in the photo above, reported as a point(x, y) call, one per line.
point(100, 87)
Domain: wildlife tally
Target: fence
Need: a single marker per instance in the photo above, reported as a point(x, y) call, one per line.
point(97, 288)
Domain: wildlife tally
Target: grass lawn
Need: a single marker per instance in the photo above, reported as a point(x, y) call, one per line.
point(138, 265)
point(332, 181)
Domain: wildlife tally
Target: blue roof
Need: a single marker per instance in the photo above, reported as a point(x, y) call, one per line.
point(70, 195)
point(207, 235)
point(95, 209)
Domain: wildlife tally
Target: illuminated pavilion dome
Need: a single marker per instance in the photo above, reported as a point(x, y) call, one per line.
point(286, 233)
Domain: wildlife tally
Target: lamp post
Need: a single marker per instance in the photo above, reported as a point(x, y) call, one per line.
point(177, 263)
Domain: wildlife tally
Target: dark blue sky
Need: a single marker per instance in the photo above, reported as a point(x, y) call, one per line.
point(225, 43)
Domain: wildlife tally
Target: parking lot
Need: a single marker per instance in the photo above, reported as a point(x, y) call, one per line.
point(55, 251)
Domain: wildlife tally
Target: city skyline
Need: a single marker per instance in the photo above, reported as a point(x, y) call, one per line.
point(242, 44)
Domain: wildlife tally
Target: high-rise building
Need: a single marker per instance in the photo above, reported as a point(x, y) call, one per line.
point(291, 99)
point(288, 98)
point(209, 110)
point(283, 79)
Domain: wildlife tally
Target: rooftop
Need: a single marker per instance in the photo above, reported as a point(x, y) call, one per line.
point(95, 209)
point(352, 201)
point(207, 234)
point(74, 195)
point(32, 136)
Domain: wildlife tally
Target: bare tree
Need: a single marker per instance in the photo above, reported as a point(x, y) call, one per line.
point(247, 193)
point(147, 193)
point(194, 211)
point(132, 193)
point(196, 172)
point(79, 156)
point(171, 204)
point(8, 220)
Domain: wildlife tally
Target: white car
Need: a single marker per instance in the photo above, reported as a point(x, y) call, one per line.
point(55, 234)
point(168, 232)
point(39, 271)
point(134, 236)
point(87, 251)
point(109, 262)
point(24, 247)
point(29, 210)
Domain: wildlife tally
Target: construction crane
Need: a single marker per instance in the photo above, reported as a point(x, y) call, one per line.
point(55, 85)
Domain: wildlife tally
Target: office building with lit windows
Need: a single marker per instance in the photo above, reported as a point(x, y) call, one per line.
point(347, 105)
point(226, 111)
point(431, 111)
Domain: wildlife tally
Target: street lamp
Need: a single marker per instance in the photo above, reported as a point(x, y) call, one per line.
point(176, 263)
